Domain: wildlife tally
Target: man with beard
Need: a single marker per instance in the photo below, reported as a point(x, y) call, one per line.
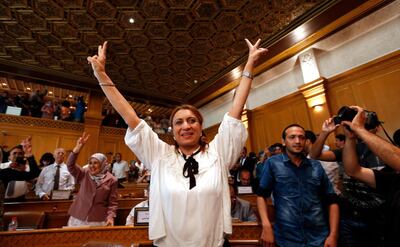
point(306, 212)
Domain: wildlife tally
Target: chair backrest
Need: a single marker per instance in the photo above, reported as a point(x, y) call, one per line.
point(26, 219)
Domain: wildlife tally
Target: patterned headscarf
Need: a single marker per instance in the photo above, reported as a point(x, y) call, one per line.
point(103, 169)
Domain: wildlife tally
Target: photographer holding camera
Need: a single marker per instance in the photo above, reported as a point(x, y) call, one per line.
point(19, 156)
point(386, 183)
point(361, 207)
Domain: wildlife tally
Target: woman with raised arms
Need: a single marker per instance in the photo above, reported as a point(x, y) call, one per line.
point(190, 200)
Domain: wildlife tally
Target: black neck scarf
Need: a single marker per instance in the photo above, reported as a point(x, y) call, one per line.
point(190, 168)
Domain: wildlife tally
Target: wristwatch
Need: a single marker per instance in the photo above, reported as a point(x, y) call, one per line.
point(247, 74)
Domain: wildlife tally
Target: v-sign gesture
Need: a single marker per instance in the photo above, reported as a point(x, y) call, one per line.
point(255, 51)
point(242, 91)
point(98, 61)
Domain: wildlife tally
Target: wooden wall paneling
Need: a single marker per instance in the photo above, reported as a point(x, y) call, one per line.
point(211, 132)
point(68, 142)
point(109, 148)
point(373, 86)
point(340, 96)
point(257, 130)
point(109, 145)
point(43, 139)
point(301, 114)
point(44, 143)
point(127, 153)
point(381, 94)
point(269, 120)
point(10, 139)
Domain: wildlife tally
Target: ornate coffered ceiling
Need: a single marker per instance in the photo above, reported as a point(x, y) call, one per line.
point(172, 52)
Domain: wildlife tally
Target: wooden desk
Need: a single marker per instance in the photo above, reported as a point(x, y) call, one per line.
point(60, 206)
point(57, 211)
point(243, 234)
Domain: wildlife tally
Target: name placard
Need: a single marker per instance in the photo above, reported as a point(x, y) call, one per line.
point(245, 190)
point(60, 194)
point(141, 217)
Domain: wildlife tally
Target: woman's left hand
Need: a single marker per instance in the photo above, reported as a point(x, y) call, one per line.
point(255, 51)
point(110, 222)
point(81, 142)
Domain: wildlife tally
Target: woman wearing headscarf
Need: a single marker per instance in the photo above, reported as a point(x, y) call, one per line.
point(96, 202)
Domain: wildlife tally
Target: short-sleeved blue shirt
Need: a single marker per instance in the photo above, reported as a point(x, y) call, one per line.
point(301, 198)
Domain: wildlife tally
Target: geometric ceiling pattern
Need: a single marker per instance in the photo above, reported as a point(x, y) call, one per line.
point(164, 49)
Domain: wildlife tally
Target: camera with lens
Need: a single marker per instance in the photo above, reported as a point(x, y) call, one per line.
point(346, 113)
point(20, 161)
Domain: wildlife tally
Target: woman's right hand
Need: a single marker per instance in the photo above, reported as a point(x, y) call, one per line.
point(98, 61)
point(81, 142)
point(267, 236)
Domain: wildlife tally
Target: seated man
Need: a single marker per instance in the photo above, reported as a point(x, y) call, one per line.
point(130, 220)
point(240, 209)
point(54, 177)
point(245, 179)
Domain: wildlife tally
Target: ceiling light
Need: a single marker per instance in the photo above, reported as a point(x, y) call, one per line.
point(70, 96)
point(4, 84)
point(195, 81)
point(28, 88)
point(149, 110)
point(131, 20)
point(50, 92)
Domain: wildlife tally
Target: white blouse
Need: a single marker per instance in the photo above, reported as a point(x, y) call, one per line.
point(183, 217)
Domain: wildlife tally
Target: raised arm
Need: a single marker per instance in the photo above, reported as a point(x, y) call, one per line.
point(389, 153)
point(34, 170)
point(242, 91)
point(316, 151)
point(350, 161)
point(75, 170)
point(116, 99)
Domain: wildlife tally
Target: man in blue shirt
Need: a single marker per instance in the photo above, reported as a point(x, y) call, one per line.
point(306, 212)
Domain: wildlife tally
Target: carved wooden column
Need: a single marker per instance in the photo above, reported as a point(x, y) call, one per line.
point(93, 120)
